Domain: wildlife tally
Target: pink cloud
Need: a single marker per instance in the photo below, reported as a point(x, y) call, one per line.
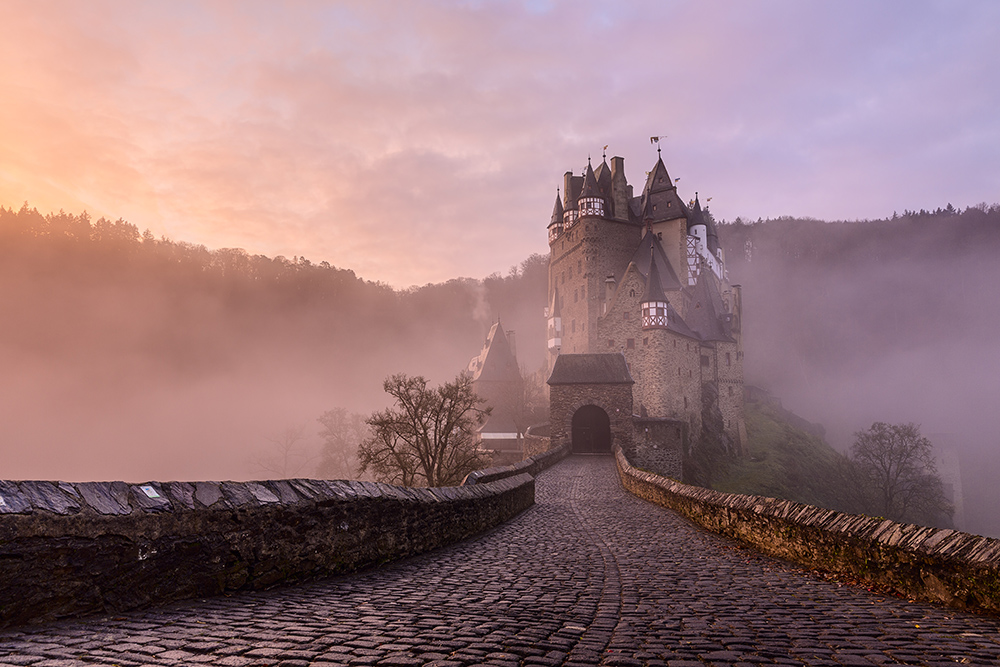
point(415, 142)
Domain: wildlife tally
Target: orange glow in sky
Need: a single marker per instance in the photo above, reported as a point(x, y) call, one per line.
point(415, 142)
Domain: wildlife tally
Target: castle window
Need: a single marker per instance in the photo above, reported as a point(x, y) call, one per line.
point(583, 292)
point(576, 296)
point(645, 341)
point(579, 265)
point(563, 276)
point(730, 391)
point(727, 359)
point(685, 402)
point(705, 361)
point(630, 343)
point(675, 342)
point(631, 292)
point(625, 316)
point(573, 325)
point(611, 342)
point(689, 373)
point(659, 235)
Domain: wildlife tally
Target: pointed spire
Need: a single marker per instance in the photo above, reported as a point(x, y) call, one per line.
point(654, 288)
point(697, 217)
point(590, 188)
point(557, 210)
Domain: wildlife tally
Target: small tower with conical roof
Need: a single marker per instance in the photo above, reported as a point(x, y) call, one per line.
point(654, 302)
point(705, 239)
point(591, 202)
point(556, 223)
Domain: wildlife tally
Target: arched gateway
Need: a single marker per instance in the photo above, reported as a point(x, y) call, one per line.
point(590, 402)
point(591, 431)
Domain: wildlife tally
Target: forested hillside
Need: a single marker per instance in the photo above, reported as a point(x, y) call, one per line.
point(889, 320)
point(153, 358)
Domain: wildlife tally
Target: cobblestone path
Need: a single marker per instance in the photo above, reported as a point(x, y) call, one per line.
point(590, 575)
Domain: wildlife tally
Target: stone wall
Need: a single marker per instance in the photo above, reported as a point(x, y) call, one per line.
point(932, 564)
point(532, 466)
point(659, 445)
point(106, 547)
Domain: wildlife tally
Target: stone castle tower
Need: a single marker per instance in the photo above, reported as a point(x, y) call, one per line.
point(643, 277)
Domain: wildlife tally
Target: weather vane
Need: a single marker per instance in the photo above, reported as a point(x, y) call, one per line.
point(656, 140)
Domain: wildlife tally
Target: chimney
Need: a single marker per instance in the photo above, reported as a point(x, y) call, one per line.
point(619, 188)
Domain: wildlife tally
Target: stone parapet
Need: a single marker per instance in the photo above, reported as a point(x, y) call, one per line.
point(106, 547)
point(932, 564)
point(531, 466)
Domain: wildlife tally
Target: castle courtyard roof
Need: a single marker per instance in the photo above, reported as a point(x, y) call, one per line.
point(590, 369)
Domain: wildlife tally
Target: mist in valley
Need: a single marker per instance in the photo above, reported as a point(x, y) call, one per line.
point(894, 320)
point(134, 358)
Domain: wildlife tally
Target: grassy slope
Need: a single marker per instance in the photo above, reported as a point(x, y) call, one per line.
point(784, 461)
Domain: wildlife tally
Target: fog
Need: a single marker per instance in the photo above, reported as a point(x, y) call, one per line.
point(894, 321)
point(127, 357)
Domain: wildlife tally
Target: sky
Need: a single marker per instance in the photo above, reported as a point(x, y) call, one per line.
point(415, 142)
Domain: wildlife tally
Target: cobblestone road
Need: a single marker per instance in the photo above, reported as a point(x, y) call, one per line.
point(590, 575)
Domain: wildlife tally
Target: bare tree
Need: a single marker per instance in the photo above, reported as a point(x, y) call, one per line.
point(891, 473)
point(428, 437)
point(288, 455)
point(343, 432)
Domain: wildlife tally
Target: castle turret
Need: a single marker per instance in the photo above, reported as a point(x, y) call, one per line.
point(556, 223)
point(654, 301)
point(706, 241)
point(591, 202)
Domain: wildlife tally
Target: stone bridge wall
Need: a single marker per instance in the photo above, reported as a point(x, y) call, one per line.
point(105, 547)
point(948, 566)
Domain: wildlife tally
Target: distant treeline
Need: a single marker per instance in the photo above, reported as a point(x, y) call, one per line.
point(101, 293)
point(826, 294)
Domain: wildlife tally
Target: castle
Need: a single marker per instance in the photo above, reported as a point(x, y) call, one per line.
point(644, 328)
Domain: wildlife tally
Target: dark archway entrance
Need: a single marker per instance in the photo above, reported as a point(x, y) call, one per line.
point(591, 431)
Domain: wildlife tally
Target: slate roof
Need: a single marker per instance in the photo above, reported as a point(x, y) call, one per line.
point(496, 363)
point(590, 369)
point(590, 188)
point(650, 249)
point(603, 174)
point(557, 211)
point(654, 288)
point(659, 197)
point(707, 311)
point(698, 217)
